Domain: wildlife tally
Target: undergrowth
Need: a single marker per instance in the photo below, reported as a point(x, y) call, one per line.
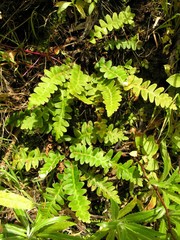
point(92, 152)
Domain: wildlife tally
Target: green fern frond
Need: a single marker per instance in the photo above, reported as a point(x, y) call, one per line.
point(111, 72)
point(111, 97)
point(85, 136)
point(100, 128)
point(114, 135)
point(61, 115)
point(132, 43)
point(146, 90)
point(54, 200)
point(27, 159)
point(103, 187)
point(94, 157)
point(78, 80)
point(80, 85)
point(37, 119)
point(128, 172)
point(51, 162)
point(115, 22)
point(53, 78)
point(73, 188)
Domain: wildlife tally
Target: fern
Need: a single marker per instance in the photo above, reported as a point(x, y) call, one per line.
point(51, 162)
point(73, 188)
point(112, 72)
point(103, 187)
point(128, 172)
point(116, 22)
point(93, 157)
point(61, 115)
point(90, 133)
point(27, 159)
point(114, 135)
point(38, 119)
point(54, 200)
point(132, 43)
point(78, 81)
point(112, 97)
point(50, 82)
point(100, 128)
point(80, 85)
point(150, 91)
point(85, 136)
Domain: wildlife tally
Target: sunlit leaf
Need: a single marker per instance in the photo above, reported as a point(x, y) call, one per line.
point(174, 80)
point(12, 200)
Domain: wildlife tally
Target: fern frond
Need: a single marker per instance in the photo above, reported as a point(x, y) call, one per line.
point(112, 72)
point(115, 22)
point(85, 136)
point(53, 78)
point(51, 162)
point(73, 188)
point(100, 128)
point(78, 80)
point(54, 200)
point(128, 172)
point(111, 96)
point(146, 90)
point(37, 119)
point(103, 187)
point(27, 159)
point(61, 115)
point(132, 43)
point(113, 135)
point(94, 157)
point(80, 85)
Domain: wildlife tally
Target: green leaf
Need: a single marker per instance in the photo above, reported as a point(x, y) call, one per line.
point(51, 162)
point(79, 5)
point(155, 95)
point(11, 231)
point(150, 147)
point(72, 186)
point(109, 24)
point(166, 160)
point(24, 157)
point(112, 97)
point(62, 5)
point(145, 216)
point(142, 232)
point(128, 208)
point(78, 80)
point(22, 216)
point(41, 223)
point(85, 136)
point(113, 135)
point(104, 187)
point(61, 115)
point(114, 209)
point(91, 7)
point(98, 235)
point(54, 200)
point(173, 196)
point(93, 157)
point(48, 85)
point(128, 172)
point(12, 200)
point(58, 226)
point(174, 80)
